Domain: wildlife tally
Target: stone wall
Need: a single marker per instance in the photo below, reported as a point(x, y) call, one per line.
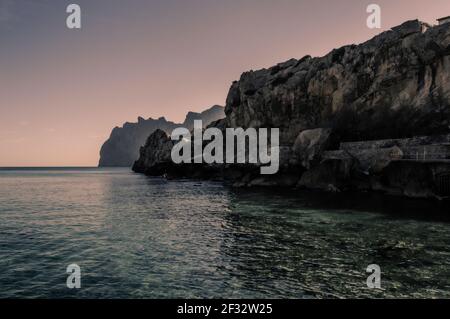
point(402, 143)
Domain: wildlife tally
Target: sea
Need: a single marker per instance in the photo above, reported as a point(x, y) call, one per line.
point(133, 236)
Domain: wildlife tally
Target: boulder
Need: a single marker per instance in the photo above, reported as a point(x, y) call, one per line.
point(155, 156)
point(310, 144)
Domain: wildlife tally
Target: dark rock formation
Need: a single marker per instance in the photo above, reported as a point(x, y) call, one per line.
point(154, 156)
point(122, 148)
point(420, 179)
point(310, 144)
point(391, 89)
point(212, 114)
point(330, 175)
point(413, 179)
point(394, 85)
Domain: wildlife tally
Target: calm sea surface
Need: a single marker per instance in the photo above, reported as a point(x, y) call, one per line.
point(140, 237)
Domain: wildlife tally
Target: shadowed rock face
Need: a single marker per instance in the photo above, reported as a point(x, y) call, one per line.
point(394, 85)
point(310, 144)
point(210, 115)
point(122, 148)
point(154, 156)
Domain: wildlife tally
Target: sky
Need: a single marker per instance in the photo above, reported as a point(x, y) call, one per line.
point(63, 90)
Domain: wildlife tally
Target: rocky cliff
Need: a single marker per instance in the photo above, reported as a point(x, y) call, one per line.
point(396, 85)
point(122, 147)
point(208, 116)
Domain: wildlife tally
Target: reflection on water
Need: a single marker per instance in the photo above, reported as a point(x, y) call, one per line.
point(139, 237)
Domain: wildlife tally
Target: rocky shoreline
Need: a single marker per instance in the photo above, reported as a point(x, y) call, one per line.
point(368, 117)
point(122, 147)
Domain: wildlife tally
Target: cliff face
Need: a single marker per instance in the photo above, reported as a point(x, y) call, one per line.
point(122, 147)
point(154, 154)
point(210, 115)
point(394, 85)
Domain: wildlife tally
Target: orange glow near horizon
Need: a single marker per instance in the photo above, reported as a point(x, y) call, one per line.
point(62, 91)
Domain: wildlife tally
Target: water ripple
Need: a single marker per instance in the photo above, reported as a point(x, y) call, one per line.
point(138, 237)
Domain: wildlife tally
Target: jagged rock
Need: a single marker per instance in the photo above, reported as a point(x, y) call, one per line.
point(212, 114)
point(334, 172)
point(155, 155)
point(310, 144)
point(394, 85)
point(122, 147)
point(410, 27)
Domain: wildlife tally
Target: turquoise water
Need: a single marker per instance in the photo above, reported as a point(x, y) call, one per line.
point(140, 237)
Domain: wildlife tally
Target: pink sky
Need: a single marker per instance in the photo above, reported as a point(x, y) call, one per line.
point(62, 91)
